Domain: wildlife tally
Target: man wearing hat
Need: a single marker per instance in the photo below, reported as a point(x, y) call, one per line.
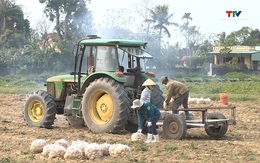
point(146, 93)
point(150, 113)
point(179, 93)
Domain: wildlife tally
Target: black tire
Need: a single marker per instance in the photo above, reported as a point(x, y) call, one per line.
point(157, 98)
point(105, 106)
point(133, 127)
point(77, 122)
point(132, 122)
point(174, 127)
point(40, 109)
point(216, 132)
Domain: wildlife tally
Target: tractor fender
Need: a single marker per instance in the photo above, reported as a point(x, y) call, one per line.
point(147, 76)
point(100, 74)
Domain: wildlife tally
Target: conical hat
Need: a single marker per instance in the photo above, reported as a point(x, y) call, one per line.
point(148, 82)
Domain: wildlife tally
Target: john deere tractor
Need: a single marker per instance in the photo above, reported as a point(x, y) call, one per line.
point(108, 75)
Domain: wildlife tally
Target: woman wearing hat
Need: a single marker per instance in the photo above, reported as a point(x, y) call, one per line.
point(150, 113)
point(146, 93)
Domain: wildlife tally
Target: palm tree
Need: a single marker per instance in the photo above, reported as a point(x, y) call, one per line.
point(186, 29)
point(187, 17)
point(222, 38)
point(10, 15)
point(160, 17)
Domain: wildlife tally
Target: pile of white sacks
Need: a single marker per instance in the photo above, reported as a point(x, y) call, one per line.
point(78, 149)
point(190, 101)
point(199, 100)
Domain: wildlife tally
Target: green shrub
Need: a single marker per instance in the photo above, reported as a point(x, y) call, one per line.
point(170, 147)
point(237, 91)
point(7, 160)
point(178, 76)
point(236, 75)
point(142, 148)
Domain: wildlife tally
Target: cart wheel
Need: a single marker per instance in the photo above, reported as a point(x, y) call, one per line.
point(174, 127)
point(219, 131)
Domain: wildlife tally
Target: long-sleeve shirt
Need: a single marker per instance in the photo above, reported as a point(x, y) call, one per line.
point(149, 112)
point(146, 95)
point(175, 89)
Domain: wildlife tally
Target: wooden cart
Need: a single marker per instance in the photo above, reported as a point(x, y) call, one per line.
point(215, 123)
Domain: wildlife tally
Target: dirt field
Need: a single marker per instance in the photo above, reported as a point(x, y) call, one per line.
point(241, 143)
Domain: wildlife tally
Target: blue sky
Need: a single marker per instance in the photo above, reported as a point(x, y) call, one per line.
point(209, 15)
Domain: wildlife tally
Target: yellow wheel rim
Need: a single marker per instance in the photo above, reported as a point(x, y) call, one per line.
point(35, 111)
point(101, 107)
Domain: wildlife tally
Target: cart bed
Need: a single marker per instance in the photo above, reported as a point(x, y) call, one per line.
point(204, 121)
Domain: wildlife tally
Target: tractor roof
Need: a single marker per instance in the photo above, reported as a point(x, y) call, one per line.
point(120, 42)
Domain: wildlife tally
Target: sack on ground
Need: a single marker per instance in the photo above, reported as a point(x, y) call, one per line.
point(169, 106)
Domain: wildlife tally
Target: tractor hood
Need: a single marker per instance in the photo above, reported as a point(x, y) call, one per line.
point(62, 78)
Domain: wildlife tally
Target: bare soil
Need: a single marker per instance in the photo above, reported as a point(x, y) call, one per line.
point(240, 144)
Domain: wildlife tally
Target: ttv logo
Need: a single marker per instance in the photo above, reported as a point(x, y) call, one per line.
point(234, 13)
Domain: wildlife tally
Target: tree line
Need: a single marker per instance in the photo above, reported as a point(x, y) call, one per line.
point(20, 44)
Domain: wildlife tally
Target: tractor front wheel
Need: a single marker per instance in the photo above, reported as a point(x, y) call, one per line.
point(40, 109)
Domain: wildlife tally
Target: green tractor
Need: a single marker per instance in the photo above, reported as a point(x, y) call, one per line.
point(108, 75)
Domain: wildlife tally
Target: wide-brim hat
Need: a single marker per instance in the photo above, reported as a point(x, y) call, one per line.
point(148, 82)
point(136, 103)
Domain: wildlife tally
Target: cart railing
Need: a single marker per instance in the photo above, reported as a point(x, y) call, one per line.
point(204, 120)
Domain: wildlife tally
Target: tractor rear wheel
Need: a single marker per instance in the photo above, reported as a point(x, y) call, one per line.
point(40, 109)
point(157, 98)
point(105, 106)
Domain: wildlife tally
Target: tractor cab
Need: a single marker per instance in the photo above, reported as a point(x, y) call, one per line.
point(133, 61)
point(97, 56)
